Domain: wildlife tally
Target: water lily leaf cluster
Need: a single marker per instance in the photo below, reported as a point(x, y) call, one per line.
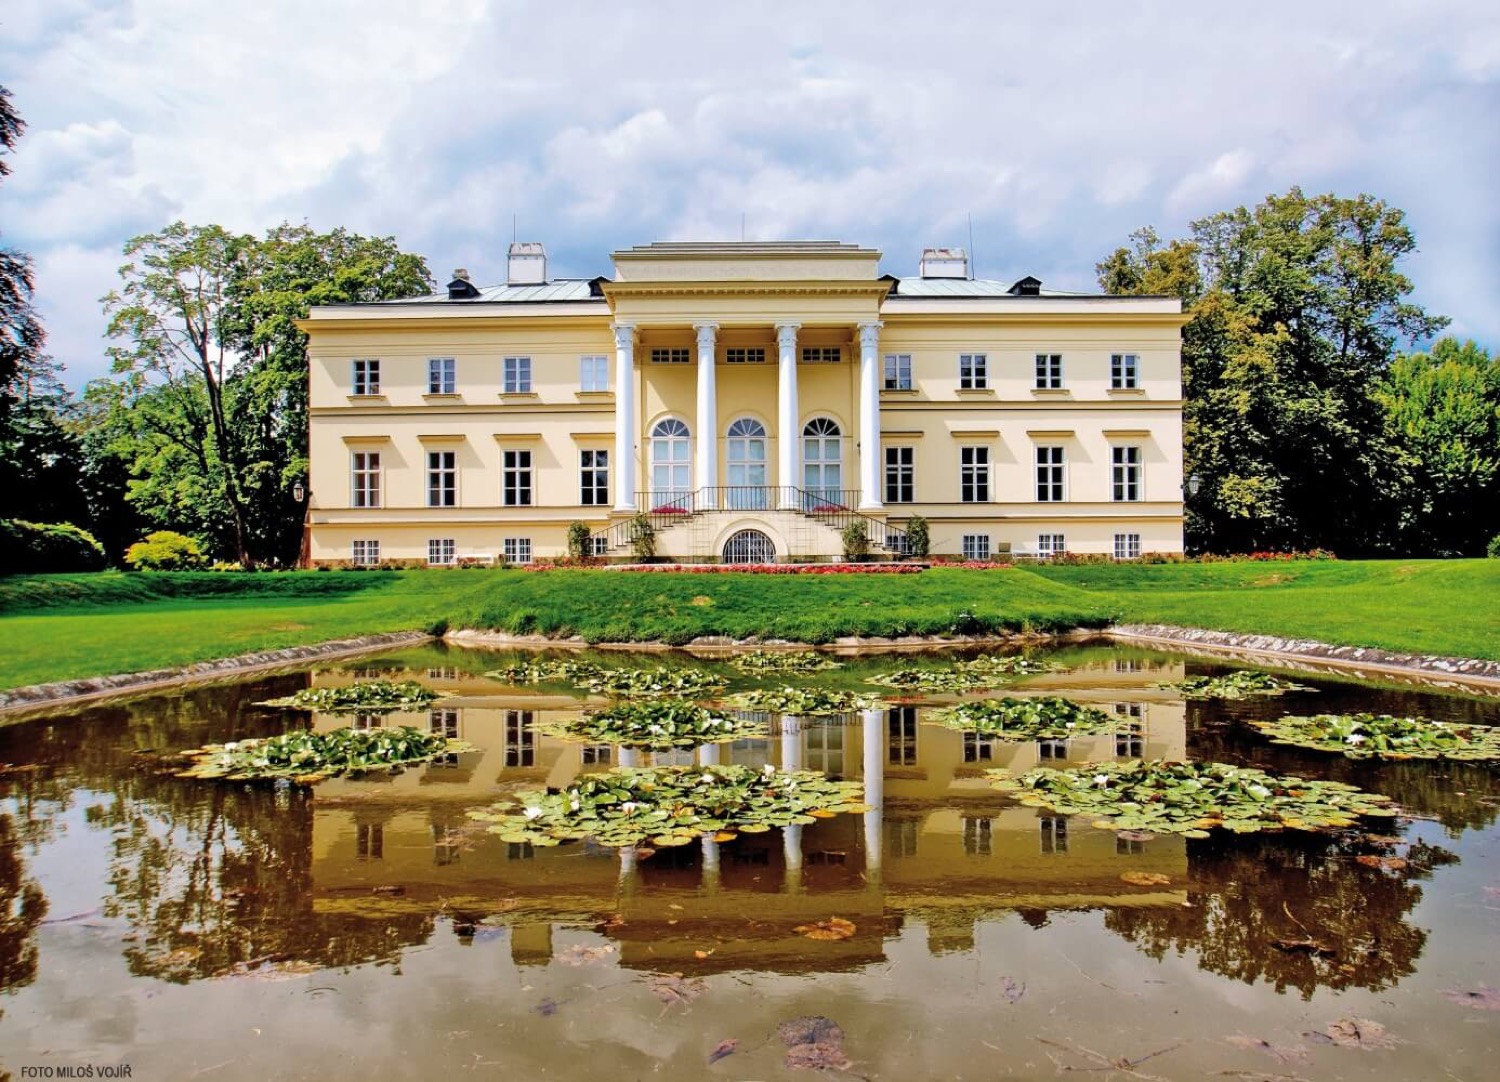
point(940, 681)
point(1046, 717)
point(779, 661)
point(1191, 798)
point(546, 671)
point(1381, 736)
point(672, 805)
point(681, 683)
point(803, 702)
point(659, 724)
point(1014, 665)
point(1242, 684)
point(306, 757)
point(361, 697)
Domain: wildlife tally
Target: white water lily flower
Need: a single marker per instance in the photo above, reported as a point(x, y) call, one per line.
point(1069, 724)
point(231, 745)
point(768, 769)
point(532, 812)
point(629, 806)
point(709, 778)
point(1355, 738)
point(1101, 779)
point(575, 805)
point(1259, 790)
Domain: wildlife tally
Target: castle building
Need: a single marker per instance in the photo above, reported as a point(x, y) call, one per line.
point(751, 402)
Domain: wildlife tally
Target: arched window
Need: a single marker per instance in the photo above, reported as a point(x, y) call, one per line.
point(747, 466)
point(671, 465)
point(822, 461)
point(749, 547)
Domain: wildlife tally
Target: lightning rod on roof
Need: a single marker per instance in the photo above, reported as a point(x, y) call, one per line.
point(973, 259)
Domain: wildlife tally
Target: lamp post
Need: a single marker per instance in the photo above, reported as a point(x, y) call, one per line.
point(303, 495)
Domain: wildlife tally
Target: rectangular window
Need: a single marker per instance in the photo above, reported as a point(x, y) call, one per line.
point(1051, 544)
point(973, 372)
point(593, 373)
point(366, 553)
point(1054, 832)
point(1048, 371)
point(822, 354)
point(1122, 371)
point(1049, 474)
point(442, 479)
point(974, 474)
point(739, 355)
point(442, 375)
point(671, 356)
point(516, 478)
point(1052, 749)
point(366, 479)
point(517, 373)
point(366, 377)
point(898, 371)
point(977, 749)
point(441, 551)
point(1127, 546)
point(900, 475)
point(593, 476)
point(977, 836)
point(601, 545)
point(520, 738)
point(1127, 473)
point(901, 727)
point(516, 550)
point(1130, 734)
point(976, 546)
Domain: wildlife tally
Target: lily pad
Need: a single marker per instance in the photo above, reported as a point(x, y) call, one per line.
point(545, 671)
point(792, 661)
point(306, 757)
point(803, 702)
point(1381, 736)
point(361, 697)
point(1241, 684)
point(659, 724)
point(653, 683)
point(1047, 717)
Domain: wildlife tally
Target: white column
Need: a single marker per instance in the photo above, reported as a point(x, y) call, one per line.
point(869, 417)
point(873, 739)
point(788, 431)
point(708, 417)
point(625, 439)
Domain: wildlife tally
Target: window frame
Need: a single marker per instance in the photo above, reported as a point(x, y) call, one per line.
point(442, 375)
point(515, 375)
point(1049, 372)
point(900, 478)
point(1049, 545)
point(365, 552)
point(1127, 546)
point(365, 465)
point(517, 482)
point(1051, 477)
point(975, 546)
point(822, 355)
point(442, 478)
point(593, 373)
point(445, 549)
point(593, 477)
point(745, 355)
point(896, 372)
point(974, 474)
point(364, 377)
point(516, 550)
point(671, 355)
point(1124, 371)
point(973, 372)
point(1127, 474)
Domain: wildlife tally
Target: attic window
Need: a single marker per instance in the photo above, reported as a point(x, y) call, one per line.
point(461, 288)
point(1027, 287)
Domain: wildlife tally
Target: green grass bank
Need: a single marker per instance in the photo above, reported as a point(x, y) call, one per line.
point(69, 626)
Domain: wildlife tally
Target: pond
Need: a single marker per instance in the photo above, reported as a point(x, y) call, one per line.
point(369, 926)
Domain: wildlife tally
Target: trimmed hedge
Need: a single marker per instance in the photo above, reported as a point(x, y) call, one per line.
point(37, 548)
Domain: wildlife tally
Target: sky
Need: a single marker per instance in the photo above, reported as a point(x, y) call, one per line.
point(1055, 129)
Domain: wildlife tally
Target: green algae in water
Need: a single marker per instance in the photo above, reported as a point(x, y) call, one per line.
point(1243, 684)
point(655, 723)
point(778, 662)
point(1047, 717)
point(803, 702)
point(672, 805)
point(1191, 798)
point(362, 697)
point(1381, 736)
point(306, 757)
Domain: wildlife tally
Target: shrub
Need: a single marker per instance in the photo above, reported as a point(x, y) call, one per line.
point(580, 544)
point(164, 550)
point(1492, 550)
point(918, 539)
point(30, 548)
point(856, 539)
point(642, 537)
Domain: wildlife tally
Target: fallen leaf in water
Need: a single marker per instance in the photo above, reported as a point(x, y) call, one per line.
point(1279, 1052)
point(814, 1043)
point(1012, 989)
point(1389, 864)
point(546, 1008)
point(1481, 998)
point(1146, 879)
point(832, 928)
point(1304, 946)
point(643, 852)
point(672, 990)
point(1354, 1033)
point(723, 1048)
point(700, 955)
point(579, 955)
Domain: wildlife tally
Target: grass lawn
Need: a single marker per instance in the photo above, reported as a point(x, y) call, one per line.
point(67, 626)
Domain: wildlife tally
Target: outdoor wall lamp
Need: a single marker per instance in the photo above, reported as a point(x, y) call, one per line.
point(1194, 483)
point(298, 492)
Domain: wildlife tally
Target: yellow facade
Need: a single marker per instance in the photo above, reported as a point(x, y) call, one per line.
point(808, 392)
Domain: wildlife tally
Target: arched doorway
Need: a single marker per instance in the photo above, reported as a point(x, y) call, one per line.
point(749, 547)
point(747, 466)
point(822, 461)
point(671, 465)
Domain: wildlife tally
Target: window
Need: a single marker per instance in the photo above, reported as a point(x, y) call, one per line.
point(366, 479)
point(369, 841)
point(366, 553)
point(900, 475)
point(1049, 474)
point(821, 354)
point(671, 356)
point(593, 474)
point(977, 749)
point(441, 551)
point(516, 550)
point(442, 478)
point(973, 372)
point(520, 738)
point(1122, 371)
point(1127, 473)
point(1051, 544)
point(442, 375)
point(1054, 832)
point(1052, 749)
point(671, 464)
point(822, 462)
point(516, 478)
point(977, 836)
point(366, 377)
point(976, 546)
point(598, 754)
point(974, 474)
point(746, 462)
point(593, 373)
point(739, 355)
point(517, 372)
point(600, 544)
point(901, 730)
point(898, 371)
point(1127, 546)
point(1048, 371)
point(1130, 740)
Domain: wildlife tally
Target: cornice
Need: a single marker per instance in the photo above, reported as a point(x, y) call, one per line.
point(811, 288)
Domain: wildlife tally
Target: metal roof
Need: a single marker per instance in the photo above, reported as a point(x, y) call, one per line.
point(966, 287)
point(561, 289)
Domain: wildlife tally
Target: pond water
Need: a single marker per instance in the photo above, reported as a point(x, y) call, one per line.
point(369, 928)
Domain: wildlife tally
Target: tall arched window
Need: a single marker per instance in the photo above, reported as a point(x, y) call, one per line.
point(671, 464)
point(747, 466)
point(822, 460)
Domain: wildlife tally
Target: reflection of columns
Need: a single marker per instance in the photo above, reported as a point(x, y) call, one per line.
point(628, 869)
point(624, 416)
point(708, 417)
point(710, 863)
point(791, 836)
point(791, 742)
point(630, 757)
point(787, 413)
point(708, 755)
point(869, 417)
point(874, 777)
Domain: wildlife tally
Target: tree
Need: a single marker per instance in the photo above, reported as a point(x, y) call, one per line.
point(1294, 310)
point(21, 333)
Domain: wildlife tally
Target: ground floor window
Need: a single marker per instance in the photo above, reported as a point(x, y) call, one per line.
point(517, 550)
point(1127, 546)
point(749, 547)
point(1051, 544)
point(976, 546)
point(441, 551)
point(601, 545)
point(366, 553)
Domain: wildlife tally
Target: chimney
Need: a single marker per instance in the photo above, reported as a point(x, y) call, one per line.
point(527, 264)
point(944, 263)
point(461, 289)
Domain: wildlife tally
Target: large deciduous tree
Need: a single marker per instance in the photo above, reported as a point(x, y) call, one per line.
point(21, 334)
